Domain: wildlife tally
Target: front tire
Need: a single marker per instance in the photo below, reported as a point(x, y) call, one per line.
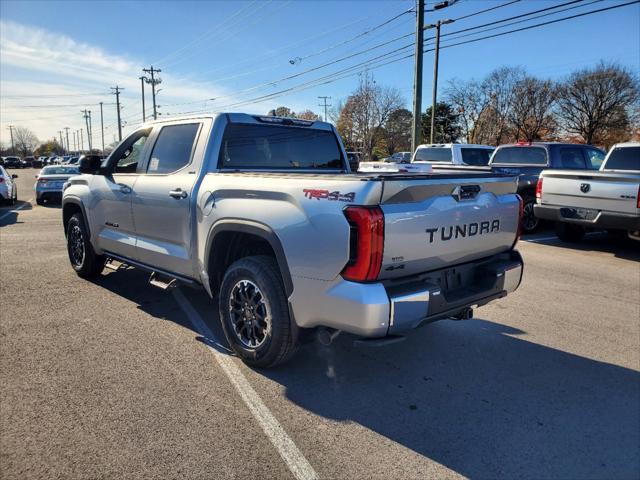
point(569, 233)
point(254, 312)
point(81, 254)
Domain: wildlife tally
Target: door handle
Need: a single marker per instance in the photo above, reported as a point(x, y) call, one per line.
point(178, 193)
point(124, 188)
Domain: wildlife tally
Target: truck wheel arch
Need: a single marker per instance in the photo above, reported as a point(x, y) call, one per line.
point(70, 206)
point(248, 228)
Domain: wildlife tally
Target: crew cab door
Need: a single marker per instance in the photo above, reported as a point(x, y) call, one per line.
point(110, 212)
point(163, 200)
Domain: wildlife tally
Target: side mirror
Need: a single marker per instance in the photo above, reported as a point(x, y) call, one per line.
point(14, 175)
point(90, 164)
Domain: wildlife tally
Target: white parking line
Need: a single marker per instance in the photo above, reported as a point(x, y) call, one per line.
point(292, 456)
point(16, 209)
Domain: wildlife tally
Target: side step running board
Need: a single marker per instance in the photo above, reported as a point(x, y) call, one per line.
point(118, 265)
point(162, 281)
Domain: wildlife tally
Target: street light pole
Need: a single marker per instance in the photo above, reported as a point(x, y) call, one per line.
point(417, 77)
point(144, 117)
point(434, 94)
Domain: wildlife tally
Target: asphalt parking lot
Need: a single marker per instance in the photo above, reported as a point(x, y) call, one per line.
point(115, 378)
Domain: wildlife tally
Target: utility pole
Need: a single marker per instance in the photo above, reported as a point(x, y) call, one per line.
point(90, 133)
point(325, 106)
point(86, 114)
point(102, 127)
point(61, 142)
point(437, 26)
point(417, 78)
point(116, 92)
point(67, 132)
point(153, 81)
point(75, 145)
point(144, 115)
point(13, 150)
point(81, 140)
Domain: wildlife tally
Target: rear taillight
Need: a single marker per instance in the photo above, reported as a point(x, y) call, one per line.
point(520, 217)
point(638, 198)
point(366, 243)
point(42, 180)
point(539, 189)
point(1, 179)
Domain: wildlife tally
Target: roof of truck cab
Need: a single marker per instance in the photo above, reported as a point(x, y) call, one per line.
point(449, 145)
point(237, 117)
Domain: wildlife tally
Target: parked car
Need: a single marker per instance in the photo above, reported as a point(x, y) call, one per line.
point(12, 162)
point(27, 162)
point(38, 162)
point(609, 198)
point(527, 160)
point(8, 187)
point(50, 182)
point(263, 213)
point(448, 154)
point(73, 161)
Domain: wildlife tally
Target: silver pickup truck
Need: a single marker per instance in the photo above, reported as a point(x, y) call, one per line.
point(265, 214)
point(577, 200)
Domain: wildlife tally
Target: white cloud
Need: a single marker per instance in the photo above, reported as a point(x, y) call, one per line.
point(56, 68)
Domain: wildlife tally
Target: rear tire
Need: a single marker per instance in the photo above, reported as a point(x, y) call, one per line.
point(254, 312)
point(39, 201)
point(569, 233)
point(81, 254)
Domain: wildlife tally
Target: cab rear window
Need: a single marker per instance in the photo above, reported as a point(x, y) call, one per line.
point(476, 156)
point(434, 154)
point(276, 147)
point(624, 159)
point(520, 156)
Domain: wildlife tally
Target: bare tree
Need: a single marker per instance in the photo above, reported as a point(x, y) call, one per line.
point(24, 140)
point(367, 110)
point(397, 131)
point(468, 101)
point(531, 115)
point(592, 102)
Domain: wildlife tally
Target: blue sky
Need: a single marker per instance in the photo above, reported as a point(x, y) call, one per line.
point(57, 58)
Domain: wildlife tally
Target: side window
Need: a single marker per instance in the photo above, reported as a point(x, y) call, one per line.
point(571, 158)
point(172, 150)
point(129, 153)
point(594, 158)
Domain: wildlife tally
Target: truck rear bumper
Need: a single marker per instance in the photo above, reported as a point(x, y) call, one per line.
point(612, 220)
point(394, 307)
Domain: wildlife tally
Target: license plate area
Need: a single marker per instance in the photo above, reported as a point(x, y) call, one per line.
point(579, 213)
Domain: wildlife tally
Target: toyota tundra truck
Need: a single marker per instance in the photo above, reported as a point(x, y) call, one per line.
point(607, 199)
point(265, 214)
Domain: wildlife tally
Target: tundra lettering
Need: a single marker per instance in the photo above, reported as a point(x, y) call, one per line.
point(461, 231)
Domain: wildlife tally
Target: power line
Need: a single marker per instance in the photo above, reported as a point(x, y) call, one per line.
point(55, 95)
point(332, 77)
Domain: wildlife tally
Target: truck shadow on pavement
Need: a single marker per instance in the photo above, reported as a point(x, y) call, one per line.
point(619, 245)
point(473, 396)
point(9, 213)
point(479, 400)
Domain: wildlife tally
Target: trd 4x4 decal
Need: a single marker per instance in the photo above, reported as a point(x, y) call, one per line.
point(327, 195)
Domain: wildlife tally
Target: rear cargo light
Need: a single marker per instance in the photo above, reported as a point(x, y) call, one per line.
point(539, 189)
point(366, 243)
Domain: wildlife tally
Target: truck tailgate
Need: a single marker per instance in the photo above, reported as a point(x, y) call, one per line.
point(603, 191)
point(435, 223)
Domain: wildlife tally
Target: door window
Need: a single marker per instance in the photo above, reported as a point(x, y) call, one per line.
point(572, 158)
point(173, 148)
point(594, 158)
point(130, 152)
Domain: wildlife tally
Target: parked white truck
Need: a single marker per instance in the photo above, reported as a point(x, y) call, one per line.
point(457, 154)
point(265, 214)
point(577, 200)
